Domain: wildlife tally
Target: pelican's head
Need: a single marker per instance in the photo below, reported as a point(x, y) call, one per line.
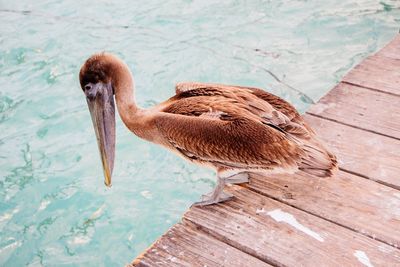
point(95, 78)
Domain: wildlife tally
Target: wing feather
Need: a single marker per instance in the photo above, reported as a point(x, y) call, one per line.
point(244, 125)
point(268, 107)
point(239, 143)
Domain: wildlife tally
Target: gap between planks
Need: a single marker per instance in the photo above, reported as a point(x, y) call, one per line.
point(242, 224)
point(379, 71)
point(352, 147)
point(331, 220)
point(186, 244)
point(376, 71)
point(370, 88)
point(369, 178)
point(358, 107)
point(351, 125)
point(247, 223)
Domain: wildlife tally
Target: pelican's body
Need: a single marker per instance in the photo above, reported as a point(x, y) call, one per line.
point(235, 130)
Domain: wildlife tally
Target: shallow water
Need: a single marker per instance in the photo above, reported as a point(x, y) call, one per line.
point(54, 208)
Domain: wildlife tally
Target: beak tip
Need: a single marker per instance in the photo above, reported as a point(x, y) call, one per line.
point(107, 182)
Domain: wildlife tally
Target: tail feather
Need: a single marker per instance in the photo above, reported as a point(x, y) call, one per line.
point(317, 160)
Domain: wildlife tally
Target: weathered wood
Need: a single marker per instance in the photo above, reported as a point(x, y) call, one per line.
point(377, 72)
point(368, 208)
point(361, 108)
point(380, 71)
point(392, 50)
point(370, 155)
point(298, 220)
point(285, 236)
point(184, 245)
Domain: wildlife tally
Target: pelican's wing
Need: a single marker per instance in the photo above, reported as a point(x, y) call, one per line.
point(229, 142)
point(268, 107)
point(277, 102)
point(187, 86)
point(242, 110)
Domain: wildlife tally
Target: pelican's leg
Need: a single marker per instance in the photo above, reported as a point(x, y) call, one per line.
point(216, 196)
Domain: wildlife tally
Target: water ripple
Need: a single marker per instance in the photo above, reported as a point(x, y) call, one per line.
point(54, 209)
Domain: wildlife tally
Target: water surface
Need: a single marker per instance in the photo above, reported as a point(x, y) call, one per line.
point(54, 208)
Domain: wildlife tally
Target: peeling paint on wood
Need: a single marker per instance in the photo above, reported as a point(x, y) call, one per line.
point(281, 216)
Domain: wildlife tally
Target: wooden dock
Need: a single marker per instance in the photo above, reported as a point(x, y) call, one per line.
point(352, 219)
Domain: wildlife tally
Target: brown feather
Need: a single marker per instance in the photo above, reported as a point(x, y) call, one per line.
point(240, 127)
point(238, 143)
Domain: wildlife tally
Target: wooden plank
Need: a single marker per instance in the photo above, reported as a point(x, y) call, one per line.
point(392, 50)
point(184, 245)
point(362, 108)
point(378, 72)
point(369, 208)
point(285, 236)
point(371, 155)
point(298, 220)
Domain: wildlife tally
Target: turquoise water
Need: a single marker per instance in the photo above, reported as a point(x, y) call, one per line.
point(54, 208)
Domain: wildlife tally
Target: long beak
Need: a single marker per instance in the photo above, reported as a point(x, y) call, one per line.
point(102, 111)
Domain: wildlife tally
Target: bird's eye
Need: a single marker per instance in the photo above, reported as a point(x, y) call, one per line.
point(88, 87)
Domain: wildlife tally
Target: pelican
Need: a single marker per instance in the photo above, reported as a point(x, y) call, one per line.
point(235, 130)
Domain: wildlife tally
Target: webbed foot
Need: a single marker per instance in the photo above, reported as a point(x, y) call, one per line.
point(240, 178)
point(209, 199)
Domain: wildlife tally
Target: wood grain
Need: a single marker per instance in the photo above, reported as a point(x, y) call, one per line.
point(184, 245)
point(370, 155)
point(392, 50)
point(378, 72)
point(252, 223)
point(298, 220)
point(369, 208)
point(361, 108)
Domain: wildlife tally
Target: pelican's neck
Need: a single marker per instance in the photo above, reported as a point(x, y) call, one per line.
point(124, 90)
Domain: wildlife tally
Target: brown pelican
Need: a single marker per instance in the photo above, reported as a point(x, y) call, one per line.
point(234, 129)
